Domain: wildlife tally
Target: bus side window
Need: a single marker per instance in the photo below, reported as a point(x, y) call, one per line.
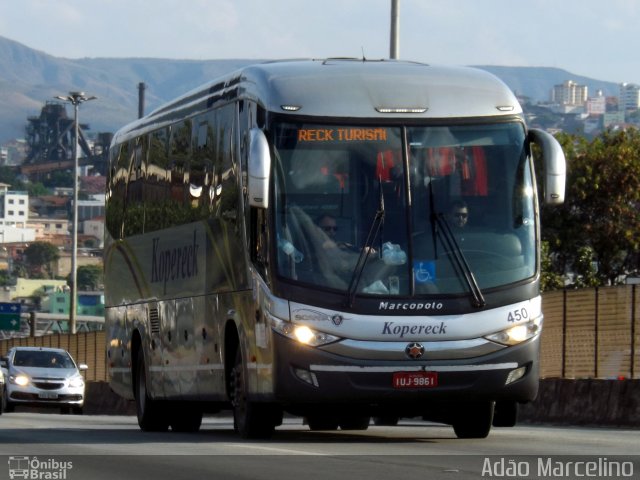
point(156, 184)
point(179, 152)
point(117, 201)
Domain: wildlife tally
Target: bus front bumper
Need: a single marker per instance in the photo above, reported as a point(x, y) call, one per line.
point(307, 375)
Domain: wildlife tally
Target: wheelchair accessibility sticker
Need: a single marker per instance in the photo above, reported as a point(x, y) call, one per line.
point(424, 271)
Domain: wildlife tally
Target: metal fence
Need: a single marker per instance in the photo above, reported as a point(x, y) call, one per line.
point(591, 333)
point(85, 347)
point(588, 333)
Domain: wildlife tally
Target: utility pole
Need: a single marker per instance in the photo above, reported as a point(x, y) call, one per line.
point(394, 51)
point(75, 98)
point(141, 89)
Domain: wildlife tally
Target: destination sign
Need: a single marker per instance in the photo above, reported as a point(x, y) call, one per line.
point(342, 134)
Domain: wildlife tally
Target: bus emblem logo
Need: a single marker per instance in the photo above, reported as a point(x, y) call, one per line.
point(337, 320)
point(414, 351)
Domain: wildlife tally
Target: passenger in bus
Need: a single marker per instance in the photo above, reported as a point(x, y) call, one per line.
point(459, 215)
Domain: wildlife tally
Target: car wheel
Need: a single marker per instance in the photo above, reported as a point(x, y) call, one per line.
point(8, 405)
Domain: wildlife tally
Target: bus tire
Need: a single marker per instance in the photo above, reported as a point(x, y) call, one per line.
point(250, 419)
point(186, 420)
point(505, 414)
point(357, 422)
point(322, 422)
point(151, 414)
point(386, 420)
point(475, 421)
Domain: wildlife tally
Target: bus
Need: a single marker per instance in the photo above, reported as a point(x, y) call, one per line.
point(224, 289)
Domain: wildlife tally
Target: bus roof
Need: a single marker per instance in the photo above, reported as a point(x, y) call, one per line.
point(350, 88)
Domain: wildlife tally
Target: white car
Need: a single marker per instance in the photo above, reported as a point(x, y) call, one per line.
point(2, 393)
point(43, 377)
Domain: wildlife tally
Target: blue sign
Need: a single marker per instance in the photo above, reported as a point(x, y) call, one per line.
point(10, 316)
point(424, 272)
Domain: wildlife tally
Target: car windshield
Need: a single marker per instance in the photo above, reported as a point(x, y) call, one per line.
point(404, 210)
point(42, 359)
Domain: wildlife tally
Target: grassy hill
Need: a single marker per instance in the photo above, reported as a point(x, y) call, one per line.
point(29, 78)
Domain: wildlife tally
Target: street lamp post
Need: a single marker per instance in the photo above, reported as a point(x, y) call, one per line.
point(75, 98)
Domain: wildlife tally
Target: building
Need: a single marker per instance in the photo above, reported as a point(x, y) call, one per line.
point(14, 207)
point(629, 98)
point(89, 303)
point(569, 93)
point(612, 119)
point(597, 105)
point(26, 288)
point(94, 228)
point(14, 214)
point(49, 229)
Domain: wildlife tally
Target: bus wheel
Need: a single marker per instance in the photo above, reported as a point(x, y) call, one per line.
point(151, 415)
point(506, 414)
point(355, 423)
point(322, 422)
point(475, 421)
point(250, 419)
point(386, 420)
point(186, 420)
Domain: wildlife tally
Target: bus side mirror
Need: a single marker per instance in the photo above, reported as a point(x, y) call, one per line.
point(259, 168)
point(555, 167)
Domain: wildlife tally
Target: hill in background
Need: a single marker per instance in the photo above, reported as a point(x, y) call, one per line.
point(29, 78)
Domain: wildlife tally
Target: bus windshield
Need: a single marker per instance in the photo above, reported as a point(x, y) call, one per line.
point(404, 211)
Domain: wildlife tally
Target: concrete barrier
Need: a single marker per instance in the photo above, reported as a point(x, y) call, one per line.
point(587, 402)
point(560, 402)
point(101, 400)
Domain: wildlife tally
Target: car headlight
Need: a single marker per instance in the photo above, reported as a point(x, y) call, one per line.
point(518, 333)
point(76, 382)
point(302, 333)
point(20, 379)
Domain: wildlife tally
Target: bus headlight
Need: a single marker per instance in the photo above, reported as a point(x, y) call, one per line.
point(303, 333)
point(518, 333)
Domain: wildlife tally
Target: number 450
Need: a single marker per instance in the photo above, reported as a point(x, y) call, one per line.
point(518, 315)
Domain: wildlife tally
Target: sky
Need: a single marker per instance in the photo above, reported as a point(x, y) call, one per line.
point(595, 38)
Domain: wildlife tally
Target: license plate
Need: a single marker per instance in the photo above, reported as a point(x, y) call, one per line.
point(415, 379)
point(48, 395)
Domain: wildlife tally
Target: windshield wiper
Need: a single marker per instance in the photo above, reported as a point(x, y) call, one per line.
point(377, 222)
point(460, 259)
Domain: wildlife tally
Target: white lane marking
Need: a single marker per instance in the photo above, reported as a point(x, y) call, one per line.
point(274, 449)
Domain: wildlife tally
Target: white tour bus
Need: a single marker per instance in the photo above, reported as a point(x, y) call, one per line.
point(337, 239)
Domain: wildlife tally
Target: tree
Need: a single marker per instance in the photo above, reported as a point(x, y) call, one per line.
point(89, 277)
point(600, 219)
point(38, 259)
